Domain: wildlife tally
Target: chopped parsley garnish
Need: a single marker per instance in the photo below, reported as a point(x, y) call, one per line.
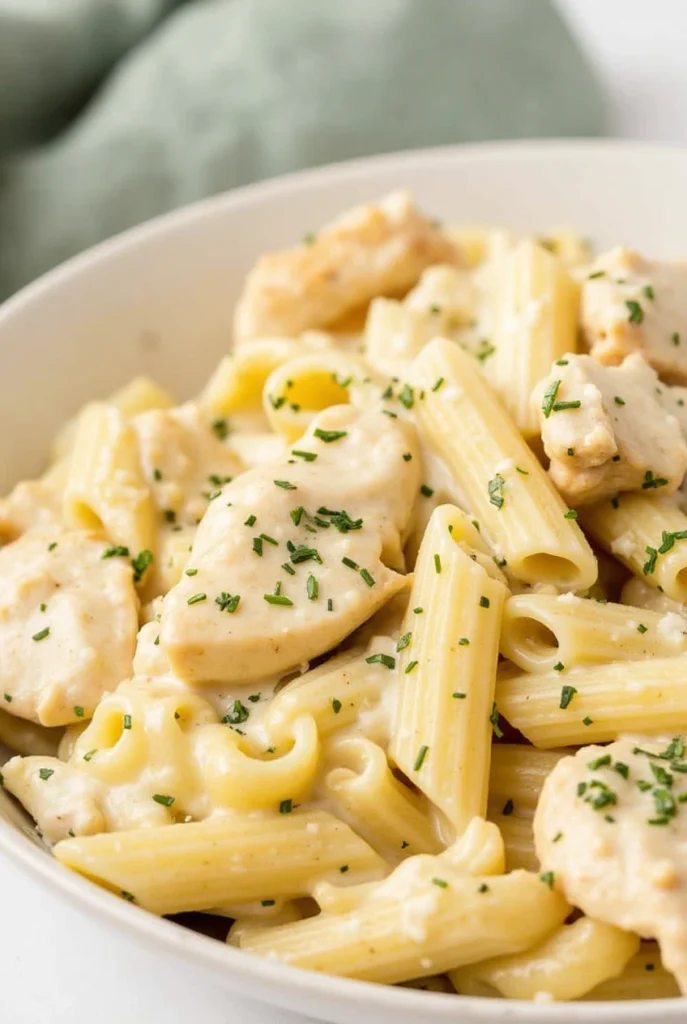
point(297, 514)
point(668, 540)
point(426, 491)
point(190, 572)
point(559, 666)
point(127, 721)
point(651, 481)
point(197, 598)
point(251, 520)
point(508, 808)
point(597, 273)
point(650, 564)
point(45, 773)
point(257, 545)
point(350, 563)
point(330, 605)
point(117, 551)
point(437, 563)
point(407, 456)
point(420, 759)
point(406, 396)
point(571, 451)
point(635, 311)
point(458, 695)
point(567, 694)
point(303, 553)
point(336, 705)
point(228, 602)
point(485, 350)
point(286, 806)
point(484, 602)
point(329, 435)
point(41, 635)
point(648, 291)
point(463, 642)
point(237, 714)
point(440, 882)
point(675, 338)
point(570, 514)
point(170, 515)
point(307, 456)
point(8, 697)
point(495, 491)
point(312, 588)
point(79, 711)
point(340, 519)
point(221, 428)
point(128, 896)
point(562, 406)
point(161, 798)
point(495, 719)
point(411, 666)
point(587, 721)
point(641, 628)
point(367, 577)
point(437, 385)
point(381, 659)
point(141, 563)
point(285, 485)
point(618, 400)
point(278, 599)
point(483, 888)
point(550, 398)
point(599, 762)
point(547, 878)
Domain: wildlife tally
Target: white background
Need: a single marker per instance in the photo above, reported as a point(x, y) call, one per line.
point(58, 968)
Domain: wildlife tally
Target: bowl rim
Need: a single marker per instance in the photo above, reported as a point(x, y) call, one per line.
point(210, 955)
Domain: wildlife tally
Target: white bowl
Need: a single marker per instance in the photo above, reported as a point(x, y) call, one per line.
point(159, 299)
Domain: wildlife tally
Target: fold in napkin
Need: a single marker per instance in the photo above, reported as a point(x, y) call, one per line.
point(112, 111)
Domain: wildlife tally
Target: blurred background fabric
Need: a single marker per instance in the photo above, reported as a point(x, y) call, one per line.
point(112, 111)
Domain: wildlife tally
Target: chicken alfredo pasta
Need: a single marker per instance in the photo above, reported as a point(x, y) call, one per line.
point(312, 651)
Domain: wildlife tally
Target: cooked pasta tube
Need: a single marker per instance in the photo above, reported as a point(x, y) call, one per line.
point(297, 390)
point(644, 977)
point(105, 488)
point(566, 965)
point(24, 737)
point(518, 509)
point(363, 792)
point(139, 395)
point(236, 780)
point(441, 738)
point(540, 631)
point(223, 860)
point(536, 323)
point(596, 704)
point(419, 922)
point(394, 334)
point(335, 694)
point(250, 919)
point(647, 534)
point(518, 841)
point(517, 776)
point(479, 851)
point(238, 381)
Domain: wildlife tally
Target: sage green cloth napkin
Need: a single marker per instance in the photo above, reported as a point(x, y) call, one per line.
point(112, 111)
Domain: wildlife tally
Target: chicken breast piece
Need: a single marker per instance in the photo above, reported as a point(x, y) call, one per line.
point(631, 304)
point(68, 622)
point(295, 555)
point(605, 430)
point(185, 463)
point(369, 251)
point(611, 824)
point(30, 505)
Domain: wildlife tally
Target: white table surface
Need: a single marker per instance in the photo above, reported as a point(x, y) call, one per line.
point(59, 968)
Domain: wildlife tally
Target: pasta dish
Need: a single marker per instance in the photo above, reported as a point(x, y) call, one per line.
point(377, 648)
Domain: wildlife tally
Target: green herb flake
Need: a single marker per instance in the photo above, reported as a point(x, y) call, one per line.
point(547, 878)
point(650, 564)
point(162, 798)
point(279, 599)
point(420, 759)
point(220, 428)
point(306, 456)
point(567, 694)
point(42, 634)
point(635, 312)
point(404, 642)
point(45, 773)
point(550, 398)
point(484, 602)
point(570, 514)
point(426, 491)
point(495, 490)
point(495, 719)
point(328, 436)
point(508, 808)
point(228, 602)
point(286, 806)
point(382, 659)
point(411, 665)
point(117, 551)
point(79, 711)
point(141, 563)
point(197, 598)
point(336, 705)
point(441, 883)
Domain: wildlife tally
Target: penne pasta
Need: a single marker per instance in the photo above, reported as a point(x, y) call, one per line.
point(517, 776)
point(644, 977)
point(535, 324)
point(596, 704)
point(447, 666)
point(646, 534)
point(519, 512)
point(224, 860)
point(540, 631)
point(567, 965)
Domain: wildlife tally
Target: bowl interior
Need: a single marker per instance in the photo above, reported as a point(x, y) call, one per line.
point(159, 299)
